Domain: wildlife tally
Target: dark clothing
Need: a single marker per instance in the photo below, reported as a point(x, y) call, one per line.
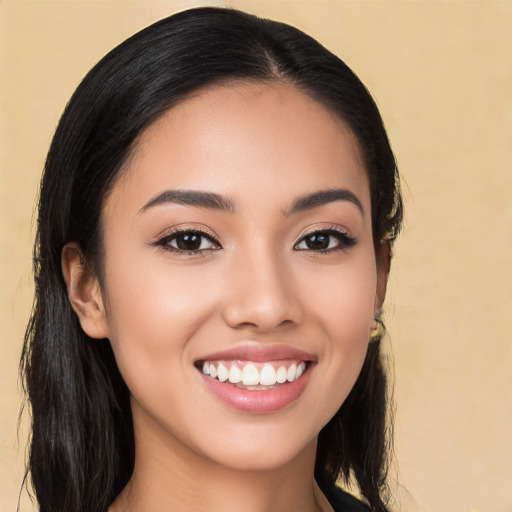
point(341, 501)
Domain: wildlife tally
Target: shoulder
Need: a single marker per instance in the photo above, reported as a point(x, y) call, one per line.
point(342, 501)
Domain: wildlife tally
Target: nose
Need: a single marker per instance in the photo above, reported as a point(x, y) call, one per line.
point(261, 294)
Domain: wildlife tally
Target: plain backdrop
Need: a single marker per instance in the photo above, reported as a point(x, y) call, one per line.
point(441, 72)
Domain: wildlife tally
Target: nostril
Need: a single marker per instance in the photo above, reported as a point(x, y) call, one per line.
point(262, 316)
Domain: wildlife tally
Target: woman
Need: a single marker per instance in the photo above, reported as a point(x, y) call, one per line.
point(214, 233)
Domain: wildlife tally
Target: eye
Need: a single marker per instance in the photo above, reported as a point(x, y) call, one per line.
point(325, 240)
point(187, 241)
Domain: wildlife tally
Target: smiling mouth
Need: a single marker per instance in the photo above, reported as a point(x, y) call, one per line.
point(254, 375)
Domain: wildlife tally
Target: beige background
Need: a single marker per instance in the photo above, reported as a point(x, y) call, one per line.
point(442, 74)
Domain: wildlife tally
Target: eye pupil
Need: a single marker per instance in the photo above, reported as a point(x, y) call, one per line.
point(318, 241)
point(188, 242)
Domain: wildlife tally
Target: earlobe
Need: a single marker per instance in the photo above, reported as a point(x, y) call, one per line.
point(84, 292)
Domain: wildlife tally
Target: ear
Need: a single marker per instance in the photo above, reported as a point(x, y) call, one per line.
point(84, 292)
point(383, 266)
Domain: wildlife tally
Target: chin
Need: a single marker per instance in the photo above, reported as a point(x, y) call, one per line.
point(266, 443)
point(262, 456)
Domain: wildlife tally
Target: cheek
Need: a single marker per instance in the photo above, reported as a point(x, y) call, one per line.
point(343, 307)
point(343, 298)
point(153, 311)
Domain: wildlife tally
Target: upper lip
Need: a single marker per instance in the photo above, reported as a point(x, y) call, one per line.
point(259, 354)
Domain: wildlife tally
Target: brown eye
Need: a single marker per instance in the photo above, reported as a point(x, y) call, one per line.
point(318, 241)
point(325, 241)
point(187, 242)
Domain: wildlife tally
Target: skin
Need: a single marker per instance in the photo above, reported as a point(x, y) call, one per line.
point(262, 146)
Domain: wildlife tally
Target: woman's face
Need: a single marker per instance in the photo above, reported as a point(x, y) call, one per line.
point(238, 242)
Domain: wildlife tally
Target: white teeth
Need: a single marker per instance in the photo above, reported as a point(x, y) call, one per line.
point(281, 374)
point(222, 373)
point(268, 375)
point(292, 372)
point(235, 375)
point(250, 375)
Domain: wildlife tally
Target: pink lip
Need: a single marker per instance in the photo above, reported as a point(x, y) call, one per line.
point(259, 354)
point(257, 401)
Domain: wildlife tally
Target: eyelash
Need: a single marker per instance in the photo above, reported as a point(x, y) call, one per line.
point(345, 241)
point(164, 242)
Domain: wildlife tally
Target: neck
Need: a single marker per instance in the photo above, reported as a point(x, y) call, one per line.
point(169, 476)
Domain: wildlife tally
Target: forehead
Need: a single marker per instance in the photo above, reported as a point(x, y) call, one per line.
point(245, 139)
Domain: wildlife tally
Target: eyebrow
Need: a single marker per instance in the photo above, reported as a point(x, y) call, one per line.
point(217, 202)
point(191, 198)
point(322, 197)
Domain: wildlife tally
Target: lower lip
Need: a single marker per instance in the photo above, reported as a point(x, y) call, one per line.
point(258, 401)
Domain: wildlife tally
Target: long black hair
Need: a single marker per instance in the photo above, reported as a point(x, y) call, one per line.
point(82, 443)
